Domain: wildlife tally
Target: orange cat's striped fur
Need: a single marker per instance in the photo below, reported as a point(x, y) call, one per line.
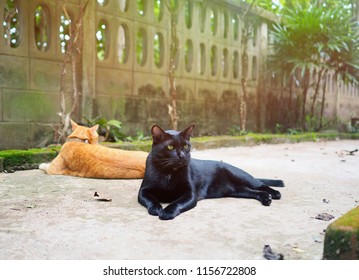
point(81, 156)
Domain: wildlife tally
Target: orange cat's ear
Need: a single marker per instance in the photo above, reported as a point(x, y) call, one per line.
point(73, 124)
point(94, 128)
point(94, 135)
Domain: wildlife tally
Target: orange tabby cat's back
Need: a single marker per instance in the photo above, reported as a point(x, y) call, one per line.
point(81, 156)
point(96, 161)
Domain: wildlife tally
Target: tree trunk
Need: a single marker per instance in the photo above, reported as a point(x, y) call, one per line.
point(316, 92)
point(244, 64)
point(72, 57)
point(174, 45)
point(324, 89)
point(289, 109)
point(304, 96)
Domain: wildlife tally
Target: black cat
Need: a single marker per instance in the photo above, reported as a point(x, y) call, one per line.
point(172, 177)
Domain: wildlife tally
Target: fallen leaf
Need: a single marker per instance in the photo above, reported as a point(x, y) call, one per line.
point(344, 153)
point(324, 217)
point(30, 205)
point(298, 250)
point(269, 254)
point(351, 153)
point(101, 198)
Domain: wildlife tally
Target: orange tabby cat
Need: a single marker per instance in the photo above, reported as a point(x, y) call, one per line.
point(80, 156)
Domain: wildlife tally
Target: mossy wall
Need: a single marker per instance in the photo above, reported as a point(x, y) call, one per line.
point(116, 85)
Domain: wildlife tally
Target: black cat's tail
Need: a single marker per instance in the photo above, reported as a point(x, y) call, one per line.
point(272, 183)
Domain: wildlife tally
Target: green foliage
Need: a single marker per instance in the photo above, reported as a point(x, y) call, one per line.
point(139, 137)
point(279, 129)
point(292, 131)
point(236, 131)
point(157, 49)
point(354, 126)
point(101, 40)
point(315, 36)
point(141, 7)
point(140, 43)
point(348, 6)
point(109, 129)
point(313, 40)
point(41, 29)
point(64, 30)
point(11, 23)
point(157, 9)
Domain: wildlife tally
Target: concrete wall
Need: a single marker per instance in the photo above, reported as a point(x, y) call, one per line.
point(208, 95)
point(119, 86)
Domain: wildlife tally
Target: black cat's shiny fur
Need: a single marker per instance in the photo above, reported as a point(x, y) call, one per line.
point(172, 177)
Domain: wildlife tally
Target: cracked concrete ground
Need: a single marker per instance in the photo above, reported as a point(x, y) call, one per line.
point(58, 217)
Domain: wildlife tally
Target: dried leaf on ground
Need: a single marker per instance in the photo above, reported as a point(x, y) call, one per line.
point(298, 250)
point(351, 153)
point(102, 198)
point(269, 254)
point(30, 205)
point(324, 217)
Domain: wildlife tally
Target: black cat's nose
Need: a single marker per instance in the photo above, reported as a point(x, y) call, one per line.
point(181, 154)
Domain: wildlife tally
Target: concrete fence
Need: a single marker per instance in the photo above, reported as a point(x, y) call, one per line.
point(122, 72)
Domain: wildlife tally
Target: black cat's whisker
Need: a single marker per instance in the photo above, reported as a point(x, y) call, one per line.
point(167, 163)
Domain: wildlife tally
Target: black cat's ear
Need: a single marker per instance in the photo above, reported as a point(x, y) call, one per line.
point(158, 135)
point(186, 133)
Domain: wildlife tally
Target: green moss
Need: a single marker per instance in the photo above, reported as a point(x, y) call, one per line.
point(257, 138)
point(30, 106)
point(338, 245)
point(13, 159)
point(342, 237)
point(1, 164)
point(131, 146)
point(350, 219)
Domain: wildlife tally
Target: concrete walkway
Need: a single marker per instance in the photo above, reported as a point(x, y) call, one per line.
point(58, 217)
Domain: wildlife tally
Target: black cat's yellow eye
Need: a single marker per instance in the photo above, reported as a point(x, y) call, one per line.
point(186, 146)
point(170, 147)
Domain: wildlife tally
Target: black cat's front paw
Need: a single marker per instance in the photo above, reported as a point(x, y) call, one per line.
point(154, 210)
point(276, 194)
point(266, 198)
point(165, 214)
